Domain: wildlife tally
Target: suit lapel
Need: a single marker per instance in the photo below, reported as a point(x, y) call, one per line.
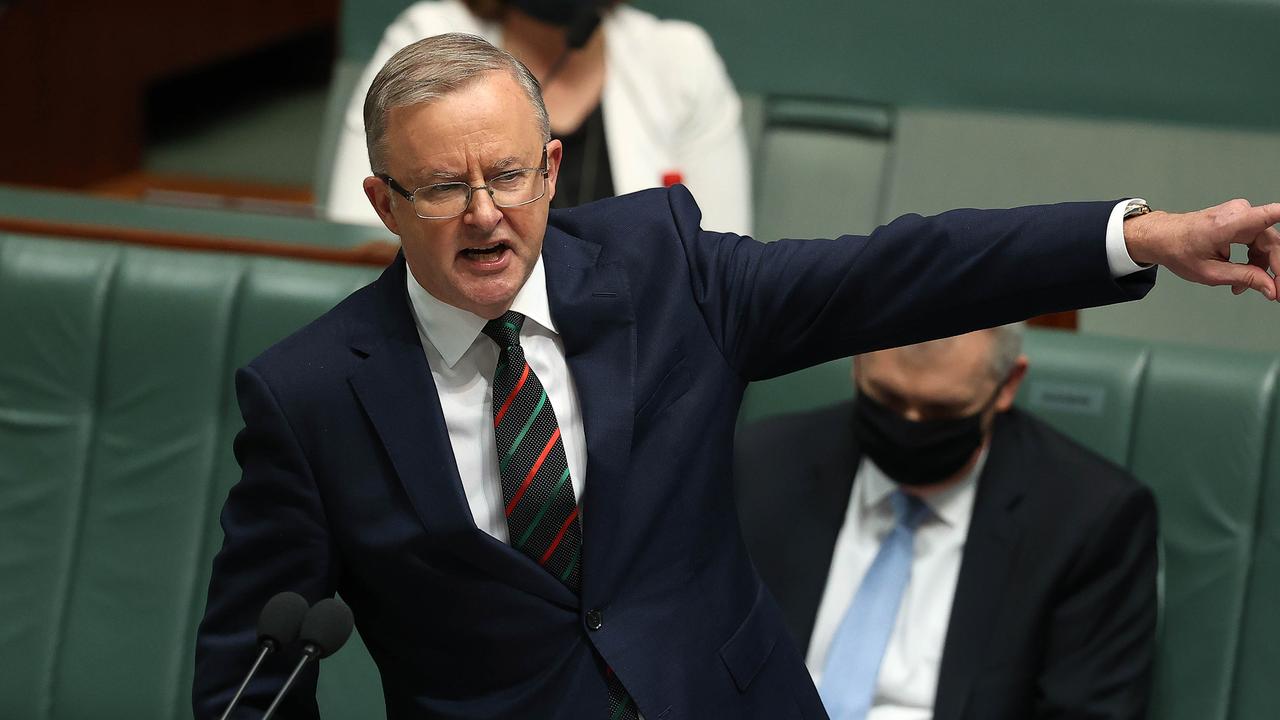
point(395, 388)
point(994, 534)
point(591, 305)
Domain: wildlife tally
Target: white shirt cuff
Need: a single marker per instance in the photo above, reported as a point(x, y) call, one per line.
point(1117, 253)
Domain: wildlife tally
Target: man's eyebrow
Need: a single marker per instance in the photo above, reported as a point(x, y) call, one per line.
point(427, 176)
point(505, 163)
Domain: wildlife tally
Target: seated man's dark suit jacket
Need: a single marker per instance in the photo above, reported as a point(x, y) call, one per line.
point(349, 483)
point(1055, 606)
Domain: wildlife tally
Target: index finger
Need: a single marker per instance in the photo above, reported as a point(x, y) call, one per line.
point(1270, 213)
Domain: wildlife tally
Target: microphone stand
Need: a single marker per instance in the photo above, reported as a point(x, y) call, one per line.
point(268, 646)
point(308, 652)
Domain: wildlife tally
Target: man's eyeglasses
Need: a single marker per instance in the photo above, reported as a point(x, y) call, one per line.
point(441, 201)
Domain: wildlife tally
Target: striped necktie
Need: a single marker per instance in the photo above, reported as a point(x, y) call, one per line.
point(542, 514)
point(853, 662)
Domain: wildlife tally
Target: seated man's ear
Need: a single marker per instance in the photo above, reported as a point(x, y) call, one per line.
point(380, 197)
point(1009, 391)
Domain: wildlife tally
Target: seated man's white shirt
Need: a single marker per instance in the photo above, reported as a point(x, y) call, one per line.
point(908, 679)
point(462, 361)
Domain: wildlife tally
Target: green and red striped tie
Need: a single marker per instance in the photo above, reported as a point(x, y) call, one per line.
point(542, 514)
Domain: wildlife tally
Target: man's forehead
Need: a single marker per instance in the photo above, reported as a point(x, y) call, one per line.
point(460, 132)
point(489, 98)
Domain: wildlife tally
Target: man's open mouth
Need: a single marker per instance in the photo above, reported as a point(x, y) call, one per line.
point(488, 253)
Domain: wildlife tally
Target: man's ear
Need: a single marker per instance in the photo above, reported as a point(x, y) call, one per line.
point(380, 197)
point(555, 153)
point(1004, 400)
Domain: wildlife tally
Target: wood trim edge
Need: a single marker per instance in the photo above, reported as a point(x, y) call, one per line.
point(375, 252)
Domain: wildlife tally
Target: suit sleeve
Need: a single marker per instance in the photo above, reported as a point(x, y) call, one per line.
point(276, 539)
point(778, 307)
point(1101, 641)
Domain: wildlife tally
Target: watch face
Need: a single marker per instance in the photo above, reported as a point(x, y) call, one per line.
point(1136, 208)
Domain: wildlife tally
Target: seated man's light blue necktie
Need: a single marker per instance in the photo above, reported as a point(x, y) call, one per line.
point(853, 662)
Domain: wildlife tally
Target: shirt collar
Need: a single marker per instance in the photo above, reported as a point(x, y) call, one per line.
point(452, 330)
point(953, 506)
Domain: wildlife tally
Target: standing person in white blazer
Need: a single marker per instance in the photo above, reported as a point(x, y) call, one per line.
point(656, 90)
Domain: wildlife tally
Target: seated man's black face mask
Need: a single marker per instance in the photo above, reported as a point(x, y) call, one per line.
point(916, 453)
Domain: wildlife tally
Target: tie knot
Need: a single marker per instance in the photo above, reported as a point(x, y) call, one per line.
point(908, 510)
point(505, 330)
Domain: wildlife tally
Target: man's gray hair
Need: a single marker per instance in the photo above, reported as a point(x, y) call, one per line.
point(431, 68)
point(1006, 349)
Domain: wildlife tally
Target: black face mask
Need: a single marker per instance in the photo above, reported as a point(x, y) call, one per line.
point(556, 12)
point(916, 453)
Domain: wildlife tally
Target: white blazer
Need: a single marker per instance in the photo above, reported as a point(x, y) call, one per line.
point(669, 108)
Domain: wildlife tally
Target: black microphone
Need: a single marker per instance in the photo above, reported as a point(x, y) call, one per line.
point(325, 629)
point(278, 626)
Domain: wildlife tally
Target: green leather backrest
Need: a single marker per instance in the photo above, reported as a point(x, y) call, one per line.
point(1086, 387)
point(116, 419)
point(1200, 441)
point(1199, 427)
point(1256, 695)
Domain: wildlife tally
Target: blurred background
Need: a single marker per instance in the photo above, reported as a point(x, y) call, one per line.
point(160, 170)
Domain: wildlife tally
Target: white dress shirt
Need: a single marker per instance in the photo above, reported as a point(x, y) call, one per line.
point(462, 361)
point(908, 679)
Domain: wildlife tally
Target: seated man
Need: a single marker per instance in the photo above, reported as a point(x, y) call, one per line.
point(939, 553)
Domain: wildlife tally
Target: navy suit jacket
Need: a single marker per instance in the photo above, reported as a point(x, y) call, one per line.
point(349, 482)
point(1054, 614)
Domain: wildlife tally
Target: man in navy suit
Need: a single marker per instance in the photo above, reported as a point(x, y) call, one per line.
point(511, 454)
point(1031, 586)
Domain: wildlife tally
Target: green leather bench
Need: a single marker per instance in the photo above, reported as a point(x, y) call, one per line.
point(1198, 426)
point(116, 419)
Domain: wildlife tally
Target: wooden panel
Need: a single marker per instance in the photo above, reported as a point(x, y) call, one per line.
point(1069, 320)
point(76, 71)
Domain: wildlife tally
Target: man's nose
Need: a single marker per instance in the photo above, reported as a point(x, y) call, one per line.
point(482, 212)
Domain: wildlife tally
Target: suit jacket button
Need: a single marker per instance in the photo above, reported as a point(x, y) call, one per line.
point(595, 619)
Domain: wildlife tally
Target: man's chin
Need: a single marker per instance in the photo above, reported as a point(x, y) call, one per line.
point(489, 303)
